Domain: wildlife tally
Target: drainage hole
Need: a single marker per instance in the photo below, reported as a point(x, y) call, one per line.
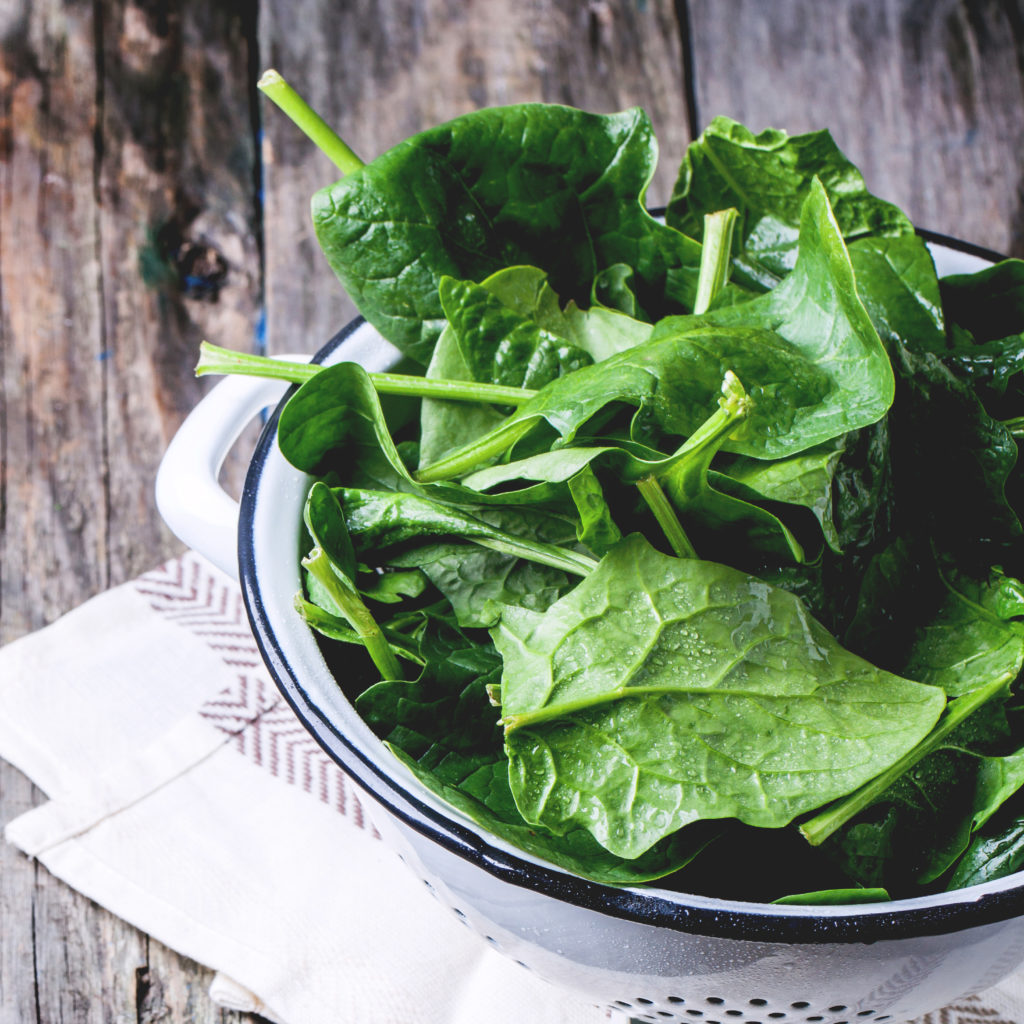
point(675, 999)
point(836, 1009)
point(734, 1013)
point(624, 1005)
point(814, 1020)
point(695, 1013)
point(759, 1002)
point(777, 1015)
point(714, 1000)
point(644, 1002)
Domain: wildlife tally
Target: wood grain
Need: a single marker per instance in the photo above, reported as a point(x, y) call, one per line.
point(127, 159)
point(925, 96)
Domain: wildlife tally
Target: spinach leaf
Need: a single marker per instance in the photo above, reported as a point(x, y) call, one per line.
point(991, 856)
point(597, 529)
point(897, 283)
point(521, 556)
point(337, 414)
point(834, 897)
point(817, 310)
point(501, 346)
point(677, 380)
point(479, 582)
point(619, 702)
point(445, 730)
point(486, 191)
point(383, 519)
point(804, 479)
point(767, 177)
point(990, 303)
point(447, 425)
point(960, 635)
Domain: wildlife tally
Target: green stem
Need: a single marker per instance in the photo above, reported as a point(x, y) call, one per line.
point(323, 136)
point(821, 826)
point(464, 460)
point(665, 514)
point(358, 615)
point(537, 551)
point(715, 257)
point(1015, 426)
point(214, 359)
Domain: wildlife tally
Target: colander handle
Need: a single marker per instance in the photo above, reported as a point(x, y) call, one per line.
point(189, 496)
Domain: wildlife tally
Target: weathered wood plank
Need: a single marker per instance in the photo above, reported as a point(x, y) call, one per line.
point(926, 96)
point(128, 202)
point(53, 495)
point(380, 71)
point(17, 886)
point(178, 230)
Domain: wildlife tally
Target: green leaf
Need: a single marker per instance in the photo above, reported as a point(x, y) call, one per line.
point(804, 479)
point(620, 703)
point(897, 283)
point(337, 413)
point(445, 731)
point(383, 519)
point(991, 857)
point(767, 177)
point(487, 191)
point(988, 303)
point(817, 310)
point(502, 346)
point(677, 379)
point(447, 425)
point(596, 530)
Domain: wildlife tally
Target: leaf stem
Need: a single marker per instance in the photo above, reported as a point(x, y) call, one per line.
point(715, 257)
point(490, 446)
point(545, 554)
point(657, 501)
point(1015, 426)
point(214, 359)
point(821, 826)
point(358, 615)
point(275, 88)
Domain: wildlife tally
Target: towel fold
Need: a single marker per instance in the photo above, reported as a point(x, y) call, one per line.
point(185, 797)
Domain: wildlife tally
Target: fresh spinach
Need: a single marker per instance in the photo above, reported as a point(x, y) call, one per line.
point(800, 437)
point(767, 177)
point(621, 722)
point(489, 190)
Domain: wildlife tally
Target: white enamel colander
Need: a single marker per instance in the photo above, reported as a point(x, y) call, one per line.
point(653, 954)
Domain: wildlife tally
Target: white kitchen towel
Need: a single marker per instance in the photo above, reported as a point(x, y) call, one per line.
point(186, 797)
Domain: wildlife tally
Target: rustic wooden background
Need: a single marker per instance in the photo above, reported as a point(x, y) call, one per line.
point(148, 199)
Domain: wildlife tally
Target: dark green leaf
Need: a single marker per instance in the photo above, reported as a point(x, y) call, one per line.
point(766, 177)
point(487, 191)
point(622, 723)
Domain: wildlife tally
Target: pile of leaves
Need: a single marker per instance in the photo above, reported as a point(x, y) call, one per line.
point(684, 546)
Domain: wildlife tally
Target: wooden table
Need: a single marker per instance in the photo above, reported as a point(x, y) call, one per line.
point(148, 199)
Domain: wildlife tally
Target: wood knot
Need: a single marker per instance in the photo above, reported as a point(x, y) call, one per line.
point(202, 270)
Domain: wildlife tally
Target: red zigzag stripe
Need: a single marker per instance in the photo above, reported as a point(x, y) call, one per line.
point(187, 592)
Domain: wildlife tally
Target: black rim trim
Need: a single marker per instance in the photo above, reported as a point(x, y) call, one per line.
point(867, 925)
